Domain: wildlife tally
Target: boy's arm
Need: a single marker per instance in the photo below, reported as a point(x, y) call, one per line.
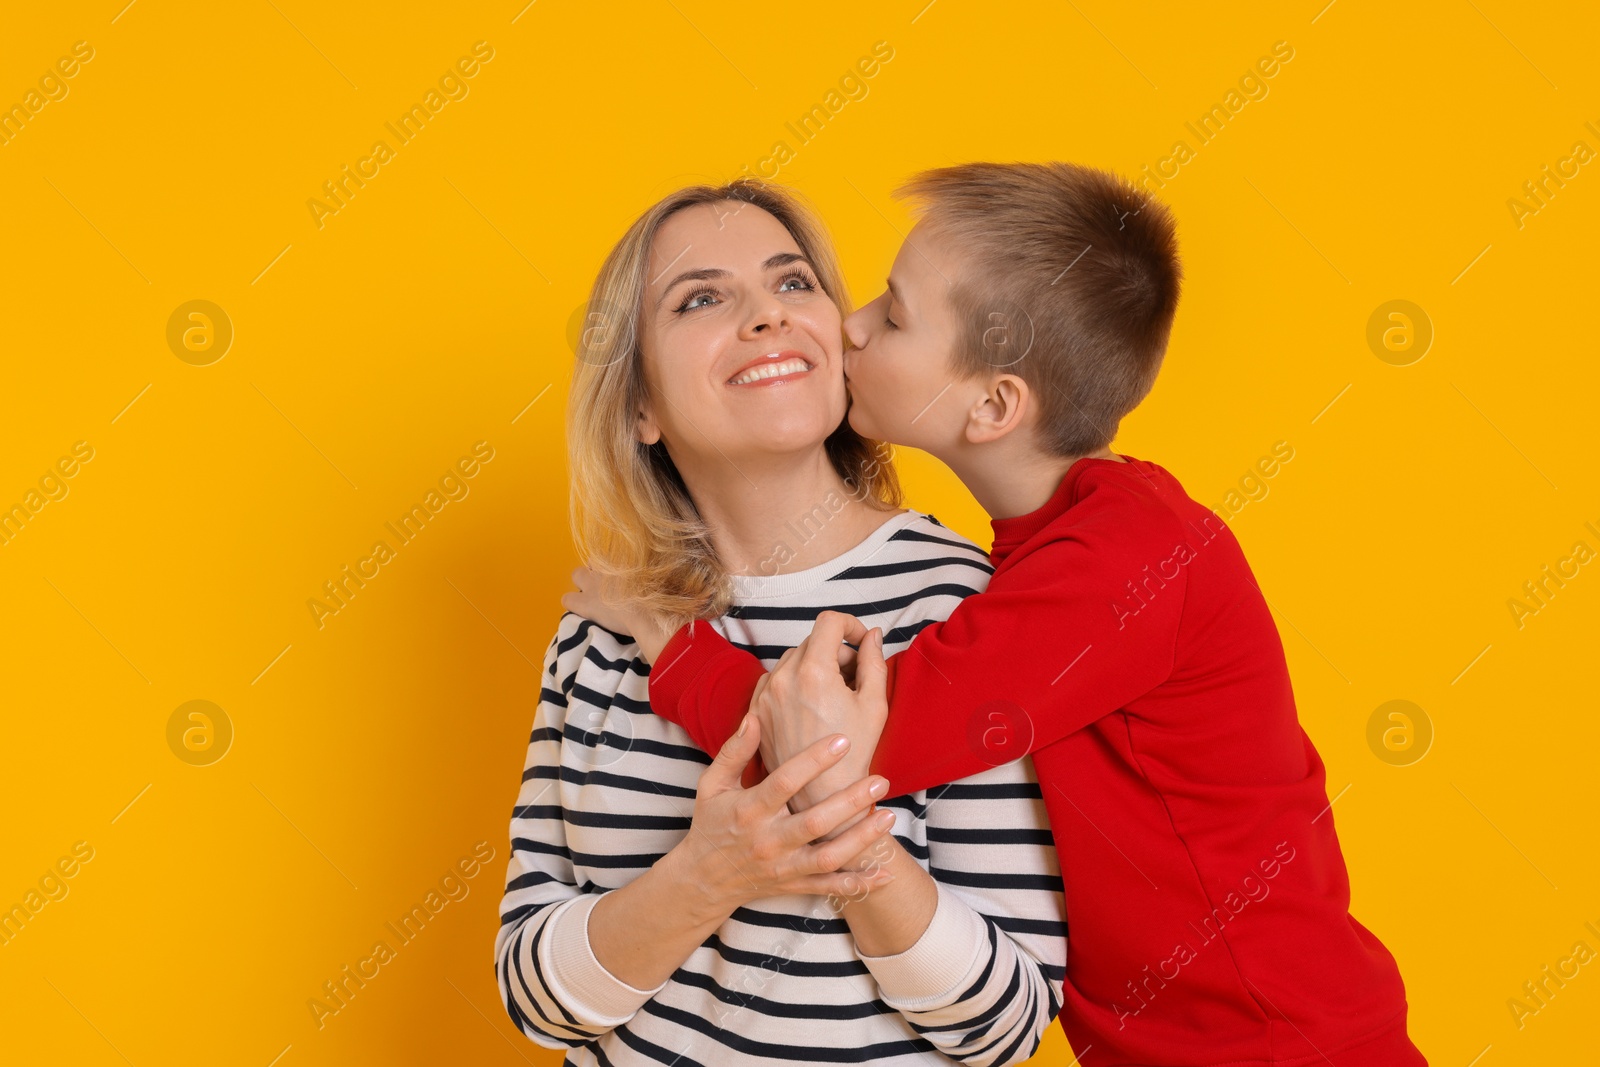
point(1058, 640)
point(704, 684)
point(728, 688)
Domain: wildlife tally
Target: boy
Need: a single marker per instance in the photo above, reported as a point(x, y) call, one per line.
point(1122, 641)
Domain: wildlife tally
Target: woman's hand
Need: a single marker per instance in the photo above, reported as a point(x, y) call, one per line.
point(744, 844)
point(595, 599)
point(820, 687)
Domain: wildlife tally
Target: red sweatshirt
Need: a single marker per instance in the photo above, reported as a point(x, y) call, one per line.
point(1124, 644)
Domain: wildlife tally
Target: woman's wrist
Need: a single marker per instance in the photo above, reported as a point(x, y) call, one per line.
point(879, 855)
point(841, 776)
point(678, 874)
point(889, 919)
point(642, 932)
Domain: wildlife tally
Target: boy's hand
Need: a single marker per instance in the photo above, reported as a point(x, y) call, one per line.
point(806, 696)
point(594, 599)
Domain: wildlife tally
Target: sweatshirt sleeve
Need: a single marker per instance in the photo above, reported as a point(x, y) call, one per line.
point(553, 987)
point(1062, 637)
point(984, 981)
point(1059, 640)
point(703, 684)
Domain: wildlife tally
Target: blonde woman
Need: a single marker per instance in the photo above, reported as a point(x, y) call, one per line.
point(656, 912)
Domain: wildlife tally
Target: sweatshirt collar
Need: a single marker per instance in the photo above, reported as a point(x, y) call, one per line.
point(1011, 533)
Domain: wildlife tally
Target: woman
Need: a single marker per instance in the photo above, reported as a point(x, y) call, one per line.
point(655, 912)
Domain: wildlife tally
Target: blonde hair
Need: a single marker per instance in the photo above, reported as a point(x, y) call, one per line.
point(633, 520)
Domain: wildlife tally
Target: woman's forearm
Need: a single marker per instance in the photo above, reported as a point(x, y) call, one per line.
point(644, 931)
point(891, 918)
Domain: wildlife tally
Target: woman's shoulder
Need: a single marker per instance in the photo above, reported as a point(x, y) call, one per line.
point(913, 570)
point(916, 542)
point(579, 641)
point(922, 533)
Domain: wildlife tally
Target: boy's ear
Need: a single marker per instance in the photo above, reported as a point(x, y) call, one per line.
point(999, 410)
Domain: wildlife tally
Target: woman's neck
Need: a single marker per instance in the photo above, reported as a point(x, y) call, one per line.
point(785, 514)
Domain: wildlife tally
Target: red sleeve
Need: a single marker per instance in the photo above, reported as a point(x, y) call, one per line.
point(1061, 638)
point(1058, 640)
point(704, 684)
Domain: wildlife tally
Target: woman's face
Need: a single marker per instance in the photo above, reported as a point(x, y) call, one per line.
point(743, 354)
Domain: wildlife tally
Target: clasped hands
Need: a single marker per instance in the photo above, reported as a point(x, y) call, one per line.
point(833, 682)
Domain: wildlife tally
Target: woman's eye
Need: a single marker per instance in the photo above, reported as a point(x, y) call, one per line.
point(800, 280)
point(887, 321)
point(692, 301)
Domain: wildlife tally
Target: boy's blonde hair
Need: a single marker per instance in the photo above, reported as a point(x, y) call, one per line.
point(633, 520)
point(1069, 279)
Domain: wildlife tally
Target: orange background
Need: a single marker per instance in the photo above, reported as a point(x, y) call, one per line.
point(432, 311)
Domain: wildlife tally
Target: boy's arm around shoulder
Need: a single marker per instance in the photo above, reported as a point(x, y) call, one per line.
point(704, 684)
point(1064, 635)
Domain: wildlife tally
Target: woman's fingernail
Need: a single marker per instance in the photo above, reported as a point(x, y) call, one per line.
point(884, 819)
point(878, 788)
point(838, 744)
point(744, 724)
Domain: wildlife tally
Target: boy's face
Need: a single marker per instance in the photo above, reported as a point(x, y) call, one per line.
point(900, 370)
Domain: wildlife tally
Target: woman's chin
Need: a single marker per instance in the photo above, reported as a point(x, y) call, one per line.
point(792, 432)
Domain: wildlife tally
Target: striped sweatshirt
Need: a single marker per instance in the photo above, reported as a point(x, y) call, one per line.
point(608, 788)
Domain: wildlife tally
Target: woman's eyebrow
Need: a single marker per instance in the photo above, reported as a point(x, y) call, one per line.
point(702, 274)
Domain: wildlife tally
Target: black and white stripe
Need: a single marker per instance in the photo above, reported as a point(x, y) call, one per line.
point(608, 788)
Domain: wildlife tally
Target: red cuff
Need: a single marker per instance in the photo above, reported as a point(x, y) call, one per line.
point(683, 660)
point(891, 760)
point(704, 684)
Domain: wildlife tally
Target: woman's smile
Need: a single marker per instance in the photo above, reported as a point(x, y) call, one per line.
point(774, 368)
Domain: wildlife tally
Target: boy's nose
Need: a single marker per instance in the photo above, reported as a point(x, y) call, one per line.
point(855, 329)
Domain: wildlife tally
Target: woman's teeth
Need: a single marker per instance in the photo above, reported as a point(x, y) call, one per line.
point(771, 370)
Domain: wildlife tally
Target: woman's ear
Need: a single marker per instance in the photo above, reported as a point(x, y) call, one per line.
point(999, 410)
point(644, 425)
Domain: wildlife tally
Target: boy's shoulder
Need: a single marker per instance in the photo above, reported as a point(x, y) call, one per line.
point(1133, 487)
point(1136, 510)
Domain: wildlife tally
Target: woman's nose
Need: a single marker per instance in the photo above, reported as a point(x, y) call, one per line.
point(767, 313)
